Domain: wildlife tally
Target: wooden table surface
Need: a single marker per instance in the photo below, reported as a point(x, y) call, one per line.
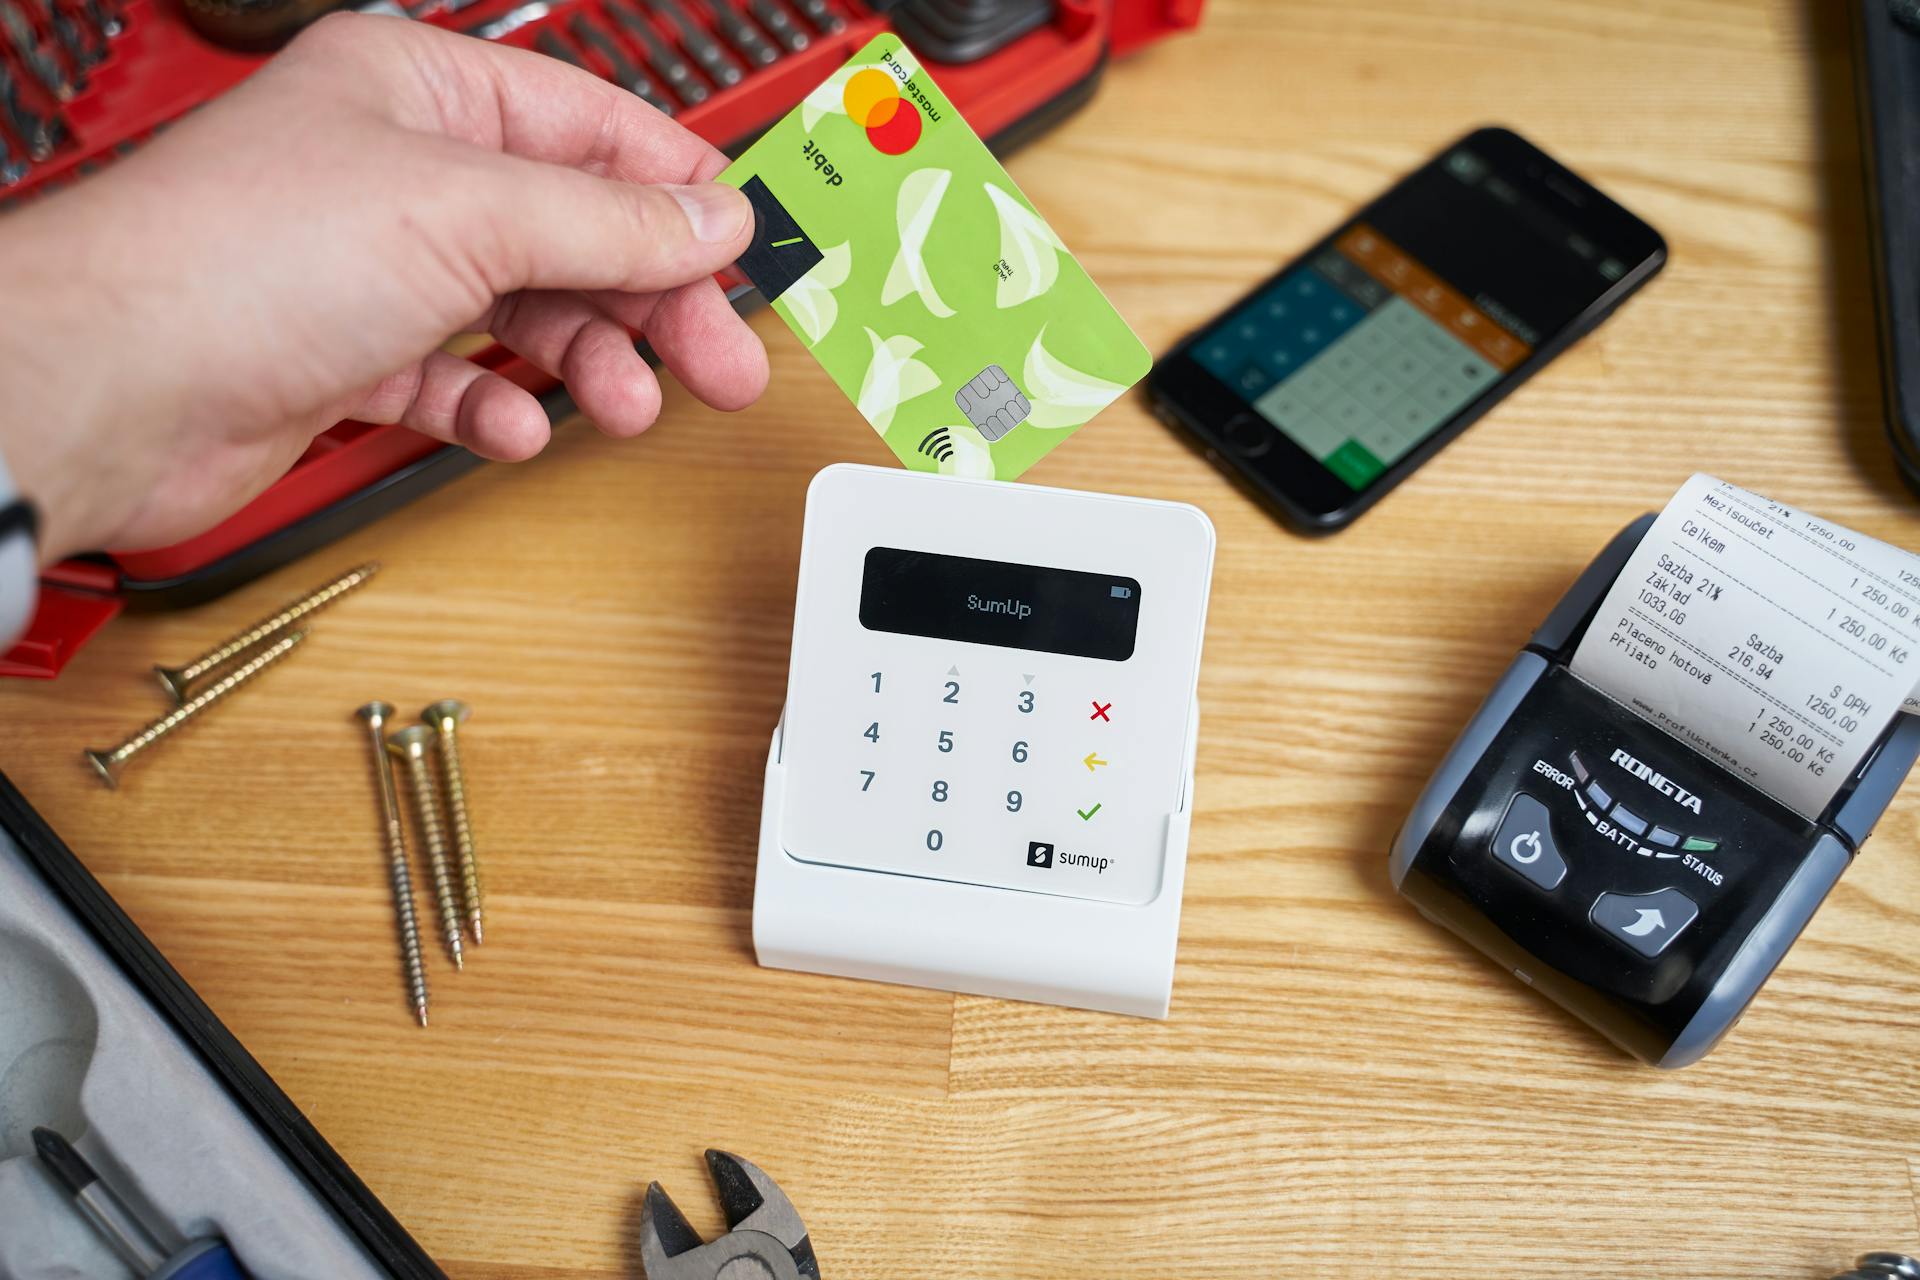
point(1342, 1089)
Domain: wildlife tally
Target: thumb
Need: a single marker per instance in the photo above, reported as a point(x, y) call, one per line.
point(551, 227)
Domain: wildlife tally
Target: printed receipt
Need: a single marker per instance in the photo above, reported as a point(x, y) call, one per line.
point(1774, 643)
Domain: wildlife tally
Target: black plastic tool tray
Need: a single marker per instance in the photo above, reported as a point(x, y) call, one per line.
point(93, 968)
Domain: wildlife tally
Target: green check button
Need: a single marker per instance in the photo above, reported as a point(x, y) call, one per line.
point(1086, 815)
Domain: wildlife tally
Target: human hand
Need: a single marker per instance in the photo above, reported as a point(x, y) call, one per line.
point(183, 324)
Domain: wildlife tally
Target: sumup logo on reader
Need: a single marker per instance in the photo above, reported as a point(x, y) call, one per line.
point(1044, 856)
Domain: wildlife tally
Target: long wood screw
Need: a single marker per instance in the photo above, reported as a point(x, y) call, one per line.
point(446, 716)
point(109, 763)
point(178, 681)
point(411, 745)
point(376, 715)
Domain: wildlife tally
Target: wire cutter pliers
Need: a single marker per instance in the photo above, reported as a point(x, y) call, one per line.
point(765, 1239)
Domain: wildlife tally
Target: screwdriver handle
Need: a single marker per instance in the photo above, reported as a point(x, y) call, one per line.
point(202, 1260)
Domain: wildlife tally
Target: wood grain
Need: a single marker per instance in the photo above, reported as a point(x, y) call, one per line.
point(1342, 1089)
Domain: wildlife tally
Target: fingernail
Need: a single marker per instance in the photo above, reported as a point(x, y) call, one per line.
point(715, 212)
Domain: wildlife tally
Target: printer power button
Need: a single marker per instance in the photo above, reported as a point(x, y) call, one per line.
point(1523, 843)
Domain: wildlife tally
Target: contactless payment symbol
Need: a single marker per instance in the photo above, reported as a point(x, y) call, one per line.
point(874, 103)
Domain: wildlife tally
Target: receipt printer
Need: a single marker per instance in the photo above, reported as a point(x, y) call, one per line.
point(1637, 883)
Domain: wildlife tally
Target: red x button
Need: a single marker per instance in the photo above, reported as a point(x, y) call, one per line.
point(1100, 710)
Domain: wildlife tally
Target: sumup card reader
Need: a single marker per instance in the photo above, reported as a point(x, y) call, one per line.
point(983, 778)
point(1636, 863)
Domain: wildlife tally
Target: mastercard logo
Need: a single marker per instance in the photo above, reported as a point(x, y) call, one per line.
point(874, 103)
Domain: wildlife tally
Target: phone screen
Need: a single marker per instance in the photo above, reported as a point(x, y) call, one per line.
point(1441, 290)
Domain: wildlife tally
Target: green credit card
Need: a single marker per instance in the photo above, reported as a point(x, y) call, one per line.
point(893, 243)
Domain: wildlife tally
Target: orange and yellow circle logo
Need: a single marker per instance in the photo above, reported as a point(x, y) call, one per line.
point(874, 103)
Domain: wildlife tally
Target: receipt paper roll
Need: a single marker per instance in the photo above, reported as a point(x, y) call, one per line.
point(1776, 644)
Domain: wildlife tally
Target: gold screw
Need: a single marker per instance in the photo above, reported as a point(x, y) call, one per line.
point(376, 715)
point(411, 745)
point(447, 715)
point(178, 680)
point(110, 763)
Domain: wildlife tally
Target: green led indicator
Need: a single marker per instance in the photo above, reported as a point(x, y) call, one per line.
point(1695, 844)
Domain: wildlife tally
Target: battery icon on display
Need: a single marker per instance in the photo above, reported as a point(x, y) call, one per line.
point(1120, 593)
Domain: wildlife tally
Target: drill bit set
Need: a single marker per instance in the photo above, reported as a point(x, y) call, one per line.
point(652, 48)
point(48, 51)
point(213, 676)
point(428, 755)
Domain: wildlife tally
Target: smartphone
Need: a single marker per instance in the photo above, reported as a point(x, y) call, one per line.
point(1326, 386)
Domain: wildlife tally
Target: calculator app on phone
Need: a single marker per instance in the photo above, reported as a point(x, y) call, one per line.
point(1329, 382)
point(1360, 354)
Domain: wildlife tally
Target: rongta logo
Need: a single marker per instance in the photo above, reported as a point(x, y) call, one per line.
point(1658, 781)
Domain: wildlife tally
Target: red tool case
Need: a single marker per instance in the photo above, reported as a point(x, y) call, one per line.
point(160, 67)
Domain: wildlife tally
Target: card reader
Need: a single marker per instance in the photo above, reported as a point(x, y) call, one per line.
point(1635, 882)
point(983, 777)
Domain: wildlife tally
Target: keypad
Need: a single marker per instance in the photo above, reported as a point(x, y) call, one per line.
point(1023, 770)
point(1004, 768)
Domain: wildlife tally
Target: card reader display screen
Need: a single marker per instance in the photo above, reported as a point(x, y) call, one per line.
point(1013, 606)
point(1448, 283)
